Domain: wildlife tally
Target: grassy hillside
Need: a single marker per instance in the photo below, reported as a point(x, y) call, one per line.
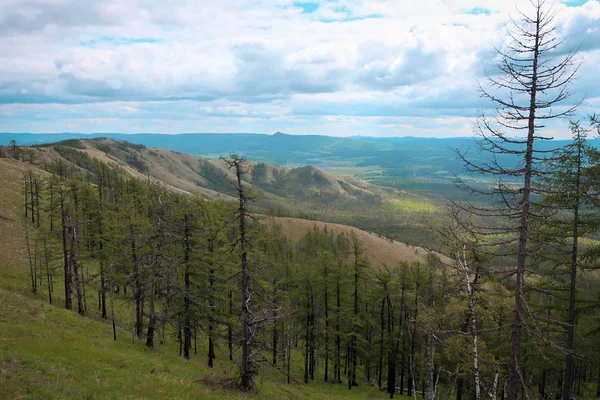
point(303, 192)
point(420, 165)
point(50, 353)
point(379, 251)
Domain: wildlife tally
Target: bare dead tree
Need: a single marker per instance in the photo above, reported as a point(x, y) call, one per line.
point(251, 319)
point(153, 273)
point(530, 87)
point(246, 369)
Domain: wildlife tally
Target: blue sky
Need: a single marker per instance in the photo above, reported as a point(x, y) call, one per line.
point(330, 67)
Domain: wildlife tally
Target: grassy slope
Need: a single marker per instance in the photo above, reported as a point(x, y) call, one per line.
point(47, 352)
point(304, 192)
point(378, 249)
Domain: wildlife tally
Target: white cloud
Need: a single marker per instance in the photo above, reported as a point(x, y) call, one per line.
point(264, 62)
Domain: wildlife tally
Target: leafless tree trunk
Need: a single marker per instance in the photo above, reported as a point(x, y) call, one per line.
point(246, 370)
point(75, 268)
point(47, 264)
point(463, 262)
point(67, 264)
point(31, 263)
point(533, 79)
point(153, 276)
point(139, 289)
point(112, 301)
point(187, 320)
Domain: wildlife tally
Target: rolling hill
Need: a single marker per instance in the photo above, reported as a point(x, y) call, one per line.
point(423, 166)
point(304, 192)
point(33, 358)
point(380, 251)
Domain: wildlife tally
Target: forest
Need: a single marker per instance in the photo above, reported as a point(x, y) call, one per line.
point(506, 305)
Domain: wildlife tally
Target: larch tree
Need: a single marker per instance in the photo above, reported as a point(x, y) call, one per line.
point(157, 236)
point(530, 87)
point(247, 372)
point(573, 190)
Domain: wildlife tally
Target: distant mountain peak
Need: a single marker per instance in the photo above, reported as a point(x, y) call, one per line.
point(280, 134)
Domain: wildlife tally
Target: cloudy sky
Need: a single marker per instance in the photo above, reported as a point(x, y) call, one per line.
point(331, 67)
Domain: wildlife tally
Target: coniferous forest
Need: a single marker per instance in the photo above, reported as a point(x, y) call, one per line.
point(502, 301)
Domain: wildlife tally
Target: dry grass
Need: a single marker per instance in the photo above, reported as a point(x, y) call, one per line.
point(379, 250)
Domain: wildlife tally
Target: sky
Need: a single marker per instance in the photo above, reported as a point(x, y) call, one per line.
point(326, 67)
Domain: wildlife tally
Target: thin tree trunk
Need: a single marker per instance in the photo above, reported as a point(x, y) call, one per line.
point(579, 378)
point(307, 336)
point(289, 352)
point(429, 384)
point(112, 304)
point(382, 328)
point(229, 327)
point(26, 192)
point(326, 376)
point(187, 320)
point(369, 343)
point(180, 338)
point(566, 395)
point(101, 247)
point(37, 202)
point(391, 378)
point(274, 337)
point(138, 291)
point(152, 310)
point(598, 384)
point(83, 281)
point(102, 291)
point(513, 365)
point(39, 275)
point(245, 362)
point(495, 386)
point(412, 370)
point(75, 267)
point(51, 213)
point(211, 321)
point(187, 328)
point(402, 330)
point(459, 388)
point(48, 271)
point(312, 364)
point(462, 259)
point(31, 263)
point(32, 203)
point(338, 341)
point(352, 353)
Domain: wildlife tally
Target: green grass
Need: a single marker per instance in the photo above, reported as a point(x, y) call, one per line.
point(410, 205)
point(47, 352)
point(365, 173)
point(50, 353)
